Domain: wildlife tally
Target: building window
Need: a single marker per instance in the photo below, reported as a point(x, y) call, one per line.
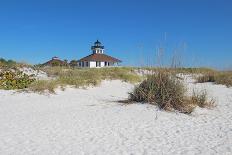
point(111, 64)
point(98, 64)
point(106, 64)
point(87, 64)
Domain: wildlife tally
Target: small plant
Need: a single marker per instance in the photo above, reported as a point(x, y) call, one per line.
point(200, 99)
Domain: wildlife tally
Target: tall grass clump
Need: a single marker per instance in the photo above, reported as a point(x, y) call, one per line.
point(218, 77)
point(224, 78)
point(206, 77)
point(41, 86)
point(167, 92)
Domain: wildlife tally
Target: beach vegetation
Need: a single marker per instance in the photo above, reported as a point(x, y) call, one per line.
point(217, 77)
point(15, 80)
point(167, 92)
point(64, 76)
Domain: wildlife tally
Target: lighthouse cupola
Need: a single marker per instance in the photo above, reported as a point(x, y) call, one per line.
point(97, 48)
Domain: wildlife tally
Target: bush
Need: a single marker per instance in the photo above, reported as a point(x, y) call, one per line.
point(7, 63)
point(15, 80)
point(167, 92)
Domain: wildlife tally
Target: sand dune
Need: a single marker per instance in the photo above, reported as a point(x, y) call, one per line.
point(90, 121)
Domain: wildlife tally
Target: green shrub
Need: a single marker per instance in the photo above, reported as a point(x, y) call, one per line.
point(7, 63)
point(15, 80)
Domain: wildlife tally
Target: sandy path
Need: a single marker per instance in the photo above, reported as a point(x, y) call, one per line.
point(80, 121)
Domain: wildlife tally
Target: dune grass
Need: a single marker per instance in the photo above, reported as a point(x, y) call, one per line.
point(44, 85)
point(218, 77)
point(224, 78)
point(166, 91)
point(206, 74)
point(179, 70)
point(82, 77)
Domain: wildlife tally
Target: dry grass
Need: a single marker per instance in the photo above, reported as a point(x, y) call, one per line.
point(206, 77)
point(208, 74)
point(200, 99)
point(218, 77)
point(201, 70)
point(167, 92)
point(43, 85)
point(224, 78)
point(83, 77)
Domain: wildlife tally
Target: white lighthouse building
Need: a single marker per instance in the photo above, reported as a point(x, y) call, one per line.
point(98, 59)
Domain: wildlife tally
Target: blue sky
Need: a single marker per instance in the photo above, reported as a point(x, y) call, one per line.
point(200, 31)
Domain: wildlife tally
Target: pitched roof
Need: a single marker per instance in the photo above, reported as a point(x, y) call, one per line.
point(100, 57)
point(55, 61)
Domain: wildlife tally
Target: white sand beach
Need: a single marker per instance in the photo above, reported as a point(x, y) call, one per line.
point(91, 121)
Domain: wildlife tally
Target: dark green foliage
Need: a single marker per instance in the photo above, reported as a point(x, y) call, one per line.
point(8, 63)
point(73, 63)
point(15, 80)
point(56, 63)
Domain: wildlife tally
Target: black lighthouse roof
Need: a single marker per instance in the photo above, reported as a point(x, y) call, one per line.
point(97, 44)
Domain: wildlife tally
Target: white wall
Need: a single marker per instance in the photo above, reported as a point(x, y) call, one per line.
point(92, 64)
point(102, 64)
